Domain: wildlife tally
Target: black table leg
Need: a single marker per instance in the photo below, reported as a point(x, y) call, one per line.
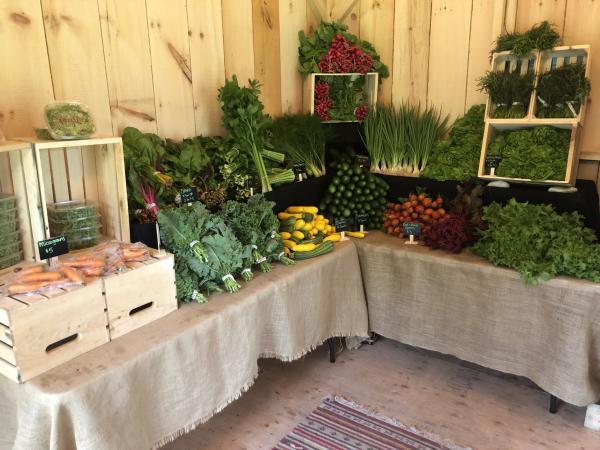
point(331, 344)
point(553, 404)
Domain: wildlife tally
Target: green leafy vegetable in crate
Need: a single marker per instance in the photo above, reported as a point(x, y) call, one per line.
point(561, 91)
point(510, 92)
point(457, 156)
point(68, 120)
point(538, 242)
point(537, 153)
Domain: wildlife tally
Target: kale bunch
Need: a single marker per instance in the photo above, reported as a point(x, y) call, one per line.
point(457, 156)
point(538, 242)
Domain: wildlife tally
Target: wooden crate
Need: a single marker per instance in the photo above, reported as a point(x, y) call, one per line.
point(90, 169)
point(140, 295)
point(491, 130)
point(18, 176)
point(39, 332)
point(371, 88)
point(507, 62)
point(558, 57)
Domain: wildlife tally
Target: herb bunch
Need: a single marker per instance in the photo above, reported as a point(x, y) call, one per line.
point(560, 86)
point(541, 36)
point(510, 92)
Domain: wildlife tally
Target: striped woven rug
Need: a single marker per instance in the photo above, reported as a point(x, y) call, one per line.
point(338, 424)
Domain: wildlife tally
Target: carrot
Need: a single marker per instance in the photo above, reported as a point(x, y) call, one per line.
point(71, 274)
point(25, 288)
point(41, 276)
point(28, 270)
point(93, 271)
point(84, 262)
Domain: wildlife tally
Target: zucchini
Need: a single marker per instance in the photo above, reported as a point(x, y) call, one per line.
point(308, 217)
point(288, 221)
point(315, 240)
point(325, 247)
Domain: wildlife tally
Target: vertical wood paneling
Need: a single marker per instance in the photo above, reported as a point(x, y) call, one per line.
point(480, 43)
point(128, 64)
point(238, 39)
point(316, 10)
point(25, 82)
point(267, 61)
point(531, 12)
point(585, 29)
point(448, 55)
point(412, 20)
point(208, 64)
point(292, 19)
point(336, 9)
point(171, 68)
point(377, 27)
point(76, 56)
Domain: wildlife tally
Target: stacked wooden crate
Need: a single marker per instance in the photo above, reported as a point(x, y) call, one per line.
point(536, 63)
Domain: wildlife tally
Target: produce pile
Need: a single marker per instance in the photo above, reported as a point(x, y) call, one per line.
point(561, 91)
point(213, 249)
point(305, 232)
point(331, 49)
point(417, 208)
point(457, 156)
point(510, 92)
point(538, 242)
point(536, 153)
point(354, 191)
point(399, 141)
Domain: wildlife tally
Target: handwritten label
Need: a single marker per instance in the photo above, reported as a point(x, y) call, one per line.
point(341, 224)
point(300, 171)
point(493, 161)
point(363, 161)
point(188, 195)
point(52, 247)
point(361, 219)
point(411, 228)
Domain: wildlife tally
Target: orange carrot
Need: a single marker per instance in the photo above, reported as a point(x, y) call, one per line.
point(86, 262)
point(22, 288)
point(38, 277)
point(27, 270)
point(71, 274)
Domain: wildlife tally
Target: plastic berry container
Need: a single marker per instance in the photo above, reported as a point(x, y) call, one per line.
point(60, 227)
point(7, 202)
point(8, 222)
point(11, 245)
point(10, 260)
point(71, 211)
point(77, 244)
point(69, 120)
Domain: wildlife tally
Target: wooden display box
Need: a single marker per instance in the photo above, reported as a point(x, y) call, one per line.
point(507, 62)
point(491, 130)
point(18, 176)
point(39, 332)
point(140, 295)
point(370, 90)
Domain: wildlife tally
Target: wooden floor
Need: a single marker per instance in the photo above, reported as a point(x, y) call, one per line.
point(467, 404)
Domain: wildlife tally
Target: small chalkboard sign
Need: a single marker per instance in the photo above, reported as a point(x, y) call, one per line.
point(300, 171)
point(188, 195)
point(250, 184)
point(341, 224)
point(52, 247)
point(411, 229)
point(492, 161)
point(363, 161)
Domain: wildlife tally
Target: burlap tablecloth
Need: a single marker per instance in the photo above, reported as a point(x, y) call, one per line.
point(463, 306)
point(162, 380)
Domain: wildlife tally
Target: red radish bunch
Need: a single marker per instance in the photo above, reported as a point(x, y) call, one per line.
point(417, 208)
point(342, 57)
point(322, 101)
point(362, 111)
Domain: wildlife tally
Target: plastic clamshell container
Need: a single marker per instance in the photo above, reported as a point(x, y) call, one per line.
point(8, 222)
point(10, 245)
point(82, 233)
point(59, 227)
point(10, 260)
point(71, 210)
point(77, 244)
point(7, 202)
point(55, 129)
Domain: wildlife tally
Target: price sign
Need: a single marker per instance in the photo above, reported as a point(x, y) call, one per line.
point(300, 171)
point(492, 161)
point(363, 161)
point(52, 247)
point(250, 184)
point(188, 195)
point(411, 228)
point(341, 224)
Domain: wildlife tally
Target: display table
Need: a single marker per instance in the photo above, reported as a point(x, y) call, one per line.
point(162, 380)
point(463, 306)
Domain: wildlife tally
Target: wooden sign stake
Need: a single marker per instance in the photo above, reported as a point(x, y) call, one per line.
point(411, 240)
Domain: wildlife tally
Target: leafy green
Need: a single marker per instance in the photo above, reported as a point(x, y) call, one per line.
point(541, 36)
point(243, 116)
point(457, 156)
point(317, 44)
point(560, 86)
point(510, 92)
point(537, 153)
point(538, 242)
point(187, 162)
point(204, 243)
point(302, 138)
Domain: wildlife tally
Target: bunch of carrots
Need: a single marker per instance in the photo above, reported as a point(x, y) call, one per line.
point(419, 208)
point(110, 257)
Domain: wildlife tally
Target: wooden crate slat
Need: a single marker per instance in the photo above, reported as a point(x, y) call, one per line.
point(74, 143)
point(90, 176)
point(5, 335)
point(35, 200)
point(9, 371)
point(29, 299)
point(20, 182)
point(122, 204)
point(60, 180)
point(75, 170)
point(45, 168)
point(7, 354)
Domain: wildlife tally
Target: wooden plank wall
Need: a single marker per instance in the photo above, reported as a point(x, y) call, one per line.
point(157, 65)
